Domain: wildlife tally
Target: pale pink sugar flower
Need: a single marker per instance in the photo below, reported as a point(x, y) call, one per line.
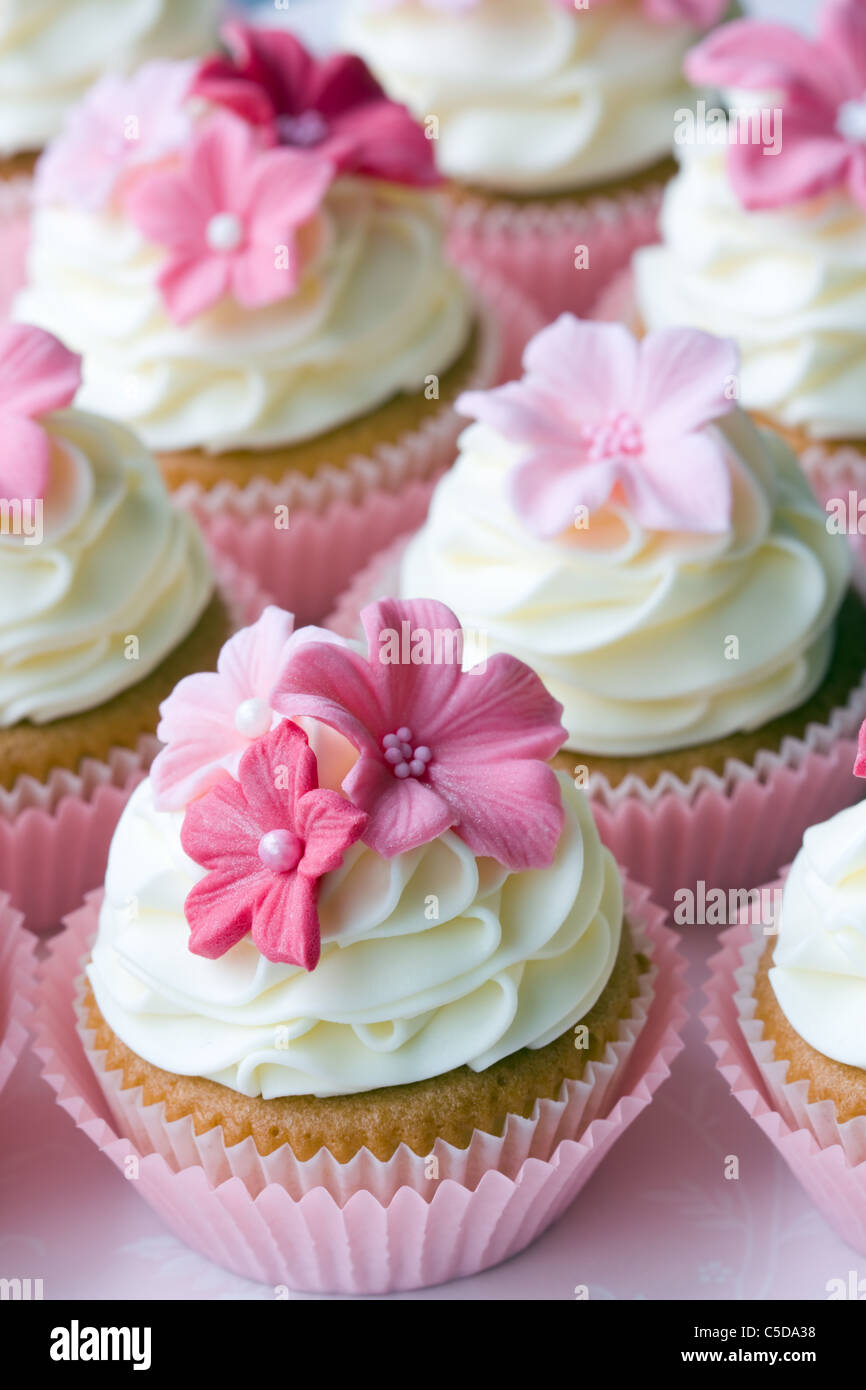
point(605, 417)
point(124, 124)
point(230, 218)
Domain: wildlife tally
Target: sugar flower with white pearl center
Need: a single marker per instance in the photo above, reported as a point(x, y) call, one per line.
point(222, 215)
point(603, 419)
point(265, 839)
point(440, 748)
point(210, 719)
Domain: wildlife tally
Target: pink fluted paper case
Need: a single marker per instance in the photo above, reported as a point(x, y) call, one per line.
point(828, 1159)
point(730, 831)
point(340, 517)
point(535, 245)
point(17, 977)
point(386, 1229)
point(55, 835)
point(14, 238)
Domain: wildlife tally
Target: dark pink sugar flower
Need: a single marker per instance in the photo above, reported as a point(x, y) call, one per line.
point(335, 107)
point(860, 763)
point(604, 417)
point(266, 840)
point(224, 216)
point(820, 86)
point(38, 375)
point(440, 748)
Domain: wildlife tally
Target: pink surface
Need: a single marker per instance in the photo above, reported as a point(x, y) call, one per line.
point(415, 1235)
point(657, 1220)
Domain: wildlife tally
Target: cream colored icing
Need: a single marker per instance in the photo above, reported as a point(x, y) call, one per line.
point(788, 284)
point(51, 51)
point(379, 310)
point(529, 97)
point(632, 629)
point(115, 562)
point(432, 960)
point(819, 969)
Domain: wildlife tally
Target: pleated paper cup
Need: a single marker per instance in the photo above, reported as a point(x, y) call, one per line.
point(55, 835)
point(367, 1226)
point(17, 981)
point(560, 254)
point(729, 831)
point(827, 1158)
point(341, 516)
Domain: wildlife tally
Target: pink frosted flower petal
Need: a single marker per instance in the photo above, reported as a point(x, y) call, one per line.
point(475, 723)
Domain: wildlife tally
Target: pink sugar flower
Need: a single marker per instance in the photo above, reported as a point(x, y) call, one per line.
point(121, 125)
point(335, 106)
point(209, 720)
point(37, 376)
point(440, 748)
point(820, 85)
point(860, 764)
point(226, 215)
point(605, 417)
point(266, 840)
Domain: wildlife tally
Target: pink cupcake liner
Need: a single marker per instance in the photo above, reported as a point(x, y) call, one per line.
point(378, 1227)
point(534, 245)
point(828, 1158)
point(730, 831)
point(54, 835)
point(14, 240)
point(340, 517)
point(17, 979)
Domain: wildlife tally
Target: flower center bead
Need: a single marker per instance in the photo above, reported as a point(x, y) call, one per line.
point(308, 129)
point(253, 718)
point(851, 119)
point(281, 851)
point(618, 434)
point(224, 232)
point(403, 756)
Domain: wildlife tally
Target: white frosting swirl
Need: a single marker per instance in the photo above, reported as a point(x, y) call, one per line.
point(51, 51)
point(511, 960)
point(531, 98)
point(789, 285)
point(379, 309)
point(115, 561)
point(819, 970)
point(632, 629)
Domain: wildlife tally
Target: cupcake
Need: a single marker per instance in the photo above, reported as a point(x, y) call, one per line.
point(257, 280)
point(358, 938)
point(106, 600)
point(614, 520)
point(553, 122)
point(50, 54)
point(786, 1016)
point(764, 235)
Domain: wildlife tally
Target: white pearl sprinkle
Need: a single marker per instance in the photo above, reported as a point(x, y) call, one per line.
point(404, 734)
point(253, 718)
point(224, 232)
point(393, 756)
point(402, 770)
